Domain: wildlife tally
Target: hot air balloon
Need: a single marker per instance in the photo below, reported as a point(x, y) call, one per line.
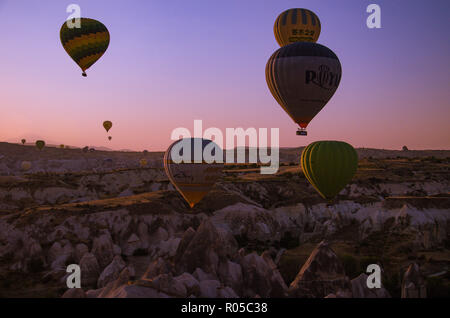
point(195, 175)
point(61, 146)
point(329, 166)
point(302, 77)
point(296, 25)
point(143, 163)
point(25, 166)
point(23, 141)
point(87, 44)
point(107, 125)
point(109, 138)
point(40, 144)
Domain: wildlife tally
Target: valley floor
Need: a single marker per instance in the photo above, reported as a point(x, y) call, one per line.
point(252, 235)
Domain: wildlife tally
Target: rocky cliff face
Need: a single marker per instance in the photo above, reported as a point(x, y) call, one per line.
point(108, 237)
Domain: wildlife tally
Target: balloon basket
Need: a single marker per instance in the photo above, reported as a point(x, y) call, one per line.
point(302, 132)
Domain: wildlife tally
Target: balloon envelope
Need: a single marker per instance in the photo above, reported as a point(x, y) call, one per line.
point(107, 125)
point(40, 144)
point(192, 174)
point(23, 141)
point(296, 25)
point(329, 166)
point(143, 163)
point(87, 44)
point(302, 78)
point(25, 166)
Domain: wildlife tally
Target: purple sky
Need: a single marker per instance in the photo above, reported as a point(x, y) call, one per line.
point(170, 62)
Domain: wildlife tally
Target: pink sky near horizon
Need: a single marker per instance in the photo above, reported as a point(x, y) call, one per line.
point(394, 90)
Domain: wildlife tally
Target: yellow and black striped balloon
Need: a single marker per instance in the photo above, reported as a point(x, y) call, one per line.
point(85, 45)
point(296, 25)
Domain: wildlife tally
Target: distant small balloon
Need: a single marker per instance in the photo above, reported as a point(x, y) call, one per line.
point(61, 146)
point(25, 166)
point(109, 138)
point(143, 163)
point(23, 141)
point(40, 144)
point(107, 125)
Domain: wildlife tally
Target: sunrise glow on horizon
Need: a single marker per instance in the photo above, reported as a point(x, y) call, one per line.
point(169, 64)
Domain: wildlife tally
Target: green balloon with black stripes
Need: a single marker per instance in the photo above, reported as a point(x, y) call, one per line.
point(40, 144)
point(329, 166)
point(86, 44)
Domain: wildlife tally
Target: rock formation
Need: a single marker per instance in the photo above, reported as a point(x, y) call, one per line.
point(321, 275)
point(413, 284)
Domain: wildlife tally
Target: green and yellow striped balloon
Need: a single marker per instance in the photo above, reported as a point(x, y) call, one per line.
point(85, 45)
point(329, 166)
point(40, 144)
